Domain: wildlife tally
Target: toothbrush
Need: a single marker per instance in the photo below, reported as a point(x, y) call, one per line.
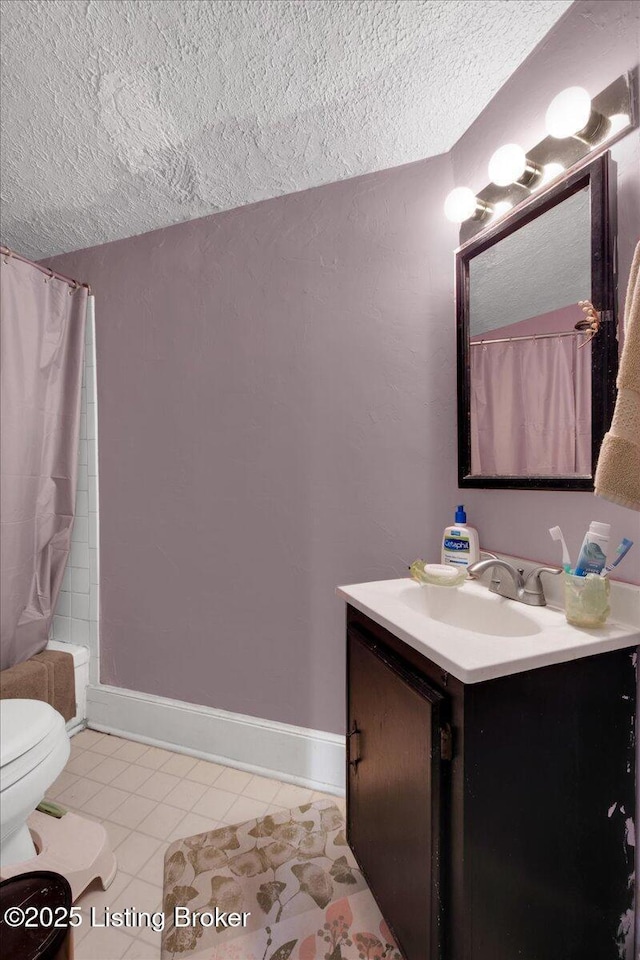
point(556, 534)
point(621, 552)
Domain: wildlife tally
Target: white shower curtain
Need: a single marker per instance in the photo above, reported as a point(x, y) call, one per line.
point(531, 408)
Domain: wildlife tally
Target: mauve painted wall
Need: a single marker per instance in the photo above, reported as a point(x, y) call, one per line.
point(277, 410)
point(277, 416)
point(591, 45)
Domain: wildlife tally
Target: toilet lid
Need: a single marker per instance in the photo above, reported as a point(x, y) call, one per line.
point(23, 725)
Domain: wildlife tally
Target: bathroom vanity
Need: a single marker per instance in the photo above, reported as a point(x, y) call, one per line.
point(490, 773)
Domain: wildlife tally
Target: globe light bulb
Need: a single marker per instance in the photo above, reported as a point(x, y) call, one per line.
point(500, 208)
point(460, 205)
point(507, 165)
point(617, 122)
point(568, 113)
point(550, 172)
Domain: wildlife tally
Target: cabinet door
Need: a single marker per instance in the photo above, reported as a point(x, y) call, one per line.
point(395, 721)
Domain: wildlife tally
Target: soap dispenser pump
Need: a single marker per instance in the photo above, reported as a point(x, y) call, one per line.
point(460, 542)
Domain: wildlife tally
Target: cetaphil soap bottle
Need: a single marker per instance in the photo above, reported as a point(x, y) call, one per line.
point(460, 544)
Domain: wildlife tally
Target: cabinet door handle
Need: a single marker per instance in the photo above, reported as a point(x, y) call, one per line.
point(354, 761)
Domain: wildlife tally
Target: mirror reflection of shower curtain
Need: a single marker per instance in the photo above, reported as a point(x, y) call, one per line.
point(531, 408)
point(42, 339)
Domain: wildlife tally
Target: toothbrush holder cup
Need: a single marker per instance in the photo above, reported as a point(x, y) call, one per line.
point(586, 600)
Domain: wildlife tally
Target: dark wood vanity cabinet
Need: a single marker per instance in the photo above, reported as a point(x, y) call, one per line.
point(397, 725)
point(491, 819)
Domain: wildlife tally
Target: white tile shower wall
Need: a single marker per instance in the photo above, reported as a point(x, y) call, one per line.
point(77, 614)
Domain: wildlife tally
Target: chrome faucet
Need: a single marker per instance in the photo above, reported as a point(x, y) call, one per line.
point(529, 591)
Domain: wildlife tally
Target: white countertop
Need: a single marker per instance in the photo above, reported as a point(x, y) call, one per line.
point(401, 607)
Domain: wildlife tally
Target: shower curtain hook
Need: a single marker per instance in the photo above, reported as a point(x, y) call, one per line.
point(51, 275)
point(591, 321)
point(8, 254)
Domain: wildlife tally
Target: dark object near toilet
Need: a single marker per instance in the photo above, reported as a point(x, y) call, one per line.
point(33, 892)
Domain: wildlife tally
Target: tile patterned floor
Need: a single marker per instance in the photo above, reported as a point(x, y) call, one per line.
point(146, 798)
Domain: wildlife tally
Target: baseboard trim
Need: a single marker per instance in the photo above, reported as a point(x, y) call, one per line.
point(310, 758)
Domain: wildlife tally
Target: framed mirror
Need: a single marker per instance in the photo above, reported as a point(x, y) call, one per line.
point(536, 393)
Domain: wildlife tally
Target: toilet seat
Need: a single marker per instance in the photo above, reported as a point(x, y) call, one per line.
point(30, 730)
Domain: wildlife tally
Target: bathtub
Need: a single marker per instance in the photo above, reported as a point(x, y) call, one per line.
point(81, 668)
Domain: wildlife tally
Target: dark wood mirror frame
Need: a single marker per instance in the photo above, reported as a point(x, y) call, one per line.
point(598, 176)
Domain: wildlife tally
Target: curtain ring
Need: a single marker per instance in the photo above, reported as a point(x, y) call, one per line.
point(8, 255)
point(51, 275)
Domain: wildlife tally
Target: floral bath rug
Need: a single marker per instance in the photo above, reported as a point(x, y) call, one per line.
point(282, 887)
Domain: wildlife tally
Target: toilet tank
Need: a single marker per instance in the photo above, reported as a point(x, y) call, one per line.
point(81, 672)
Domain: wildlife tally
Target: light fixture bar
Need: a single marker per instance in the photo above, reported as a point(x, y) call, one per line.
point(613, 114)
point(533, 172)
point(483, 209)
point(594, 130)
point(462, 205)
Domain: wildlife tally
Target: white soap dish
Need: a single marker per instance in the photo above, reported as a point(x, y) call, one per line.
point(444, 575)
point(438, 574)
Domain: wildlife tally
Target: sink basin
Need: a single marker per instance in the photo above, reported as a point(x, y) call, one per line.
point(477, 635)
point(484, 613)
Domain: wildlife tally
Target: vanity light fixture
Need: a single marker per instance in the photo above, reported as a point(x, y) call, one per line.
point(462, 204)
point(617, 122)
point(510, 164)
point(550, 171)
point(500, 208)
point(570, 114)
point(579, 127)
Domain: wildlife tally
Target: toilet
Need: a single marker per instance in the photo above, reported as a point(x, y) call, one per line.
point(34, 748)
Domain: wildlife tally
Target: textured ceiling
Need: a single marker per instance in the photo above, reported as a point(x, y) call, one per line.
point(543, 266)
point(120, 116)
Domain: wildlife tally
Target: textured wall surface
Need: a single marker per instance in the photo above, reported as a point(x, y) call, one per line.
point(277, 411)
point(120, 116)
point(594, 44)
point(277, 416)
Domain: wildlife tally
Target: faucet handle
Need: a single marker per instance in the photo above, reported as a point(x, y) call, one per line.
point(533, 585)
point(487, 553)
point(542, 569)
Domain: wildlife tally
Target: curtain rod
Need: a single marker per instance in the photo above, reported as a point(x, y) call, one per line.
point(8, 254)
point(540, 336)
